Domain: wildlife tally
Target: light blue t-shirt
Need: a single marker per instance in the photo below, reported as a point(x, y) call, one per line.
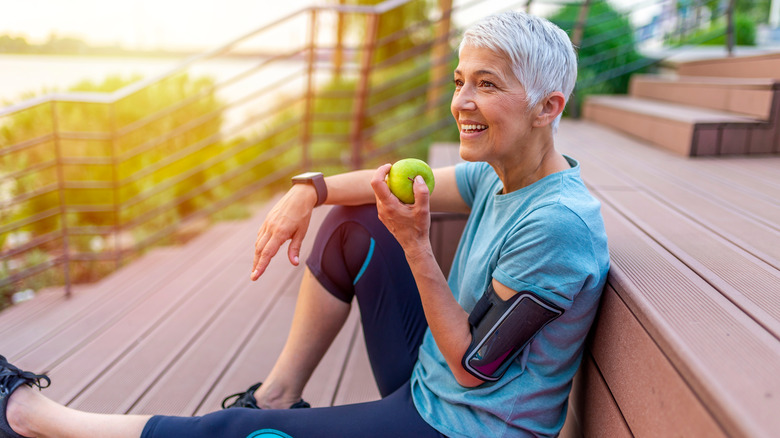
point(549, 239)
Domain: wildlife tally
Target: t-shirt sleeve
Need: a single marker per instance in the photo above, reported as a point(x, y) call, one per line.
point(550, 255)
point(468, 176)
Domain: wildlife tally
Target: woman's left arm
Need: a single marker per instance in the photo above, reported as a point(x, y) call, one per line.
point(410, 225)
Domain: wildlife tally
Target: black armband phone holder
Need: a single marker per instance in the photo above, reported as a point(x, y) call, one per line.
point(501, 329)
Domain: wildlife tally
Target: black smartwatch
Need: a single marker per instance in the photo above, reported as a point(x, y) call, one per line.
point(318, 181)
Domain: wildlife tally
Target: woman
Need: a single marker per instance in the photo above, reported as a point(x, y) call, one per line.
point(533, 254)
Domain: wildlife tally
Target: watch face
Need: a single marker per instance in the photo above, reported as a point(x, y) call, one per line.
point(305, 176)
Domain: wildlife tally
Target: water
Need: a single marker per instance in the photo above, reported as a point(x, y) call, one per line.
point(25, 74)
point(22, 75)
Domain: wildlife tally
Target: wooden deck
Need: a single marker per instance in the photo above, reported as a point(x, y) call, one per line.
point(687, 342)
point(177, 331)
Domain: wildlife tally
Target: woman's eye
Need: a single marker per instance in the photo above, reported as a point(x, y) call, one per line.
point(486, 84)
point(458, 83)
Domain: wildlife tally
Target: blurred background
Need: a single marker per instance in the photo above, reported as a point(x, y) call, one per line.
point(127, 127)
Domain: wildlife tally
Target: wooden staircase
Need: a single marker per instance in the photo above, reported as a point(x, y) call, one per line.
point(728, 106)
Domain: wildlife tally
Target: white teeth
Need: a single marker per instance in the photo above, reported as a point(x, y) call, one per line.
point(473, 127)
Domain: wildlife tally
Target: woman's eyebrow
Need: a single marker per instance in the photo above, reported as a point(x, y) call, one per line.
point(479, 73)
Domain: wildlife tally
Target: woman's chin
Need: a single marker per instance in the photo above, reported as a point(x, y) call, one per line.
point(467, 153)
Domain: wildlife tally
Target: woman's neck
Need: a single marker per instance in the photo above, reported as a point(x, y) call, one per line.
point(532, 165)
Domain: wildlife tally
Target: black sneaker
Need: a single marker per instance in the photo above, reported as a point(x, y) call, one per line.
point(11, 378)
point(247, 400)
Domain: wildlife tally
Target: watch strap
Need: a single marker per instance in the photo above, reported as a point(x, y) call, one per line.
point(317, 180)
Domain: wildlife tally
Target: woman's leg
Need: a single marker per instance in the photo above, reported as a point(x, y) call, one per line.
point(30, 414)
point(317, 320)
point(353, 255)
point(359, 257)
point(393, 416)
point(320, 312)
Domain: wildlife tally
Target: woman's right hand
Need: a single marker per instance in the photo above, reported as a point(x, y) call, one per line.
point(287, 220)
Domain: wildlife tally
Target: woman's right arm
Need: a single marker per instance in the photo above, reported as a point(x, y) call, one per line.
point(289, 218)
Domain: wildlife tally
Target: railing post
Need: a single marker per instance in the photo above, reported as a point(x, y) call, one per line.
point(359, 108)
point(730, 28)
point(61, 194)
point(576, 40)
point(439, 53)
point(338, 55)
point(117, 227)
point(309, 101)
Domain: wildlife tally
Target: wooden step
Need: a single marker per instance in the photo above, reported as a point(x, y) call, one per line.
point(749, 97)
point(758, 66)
point(684, 130)
point(688, 336)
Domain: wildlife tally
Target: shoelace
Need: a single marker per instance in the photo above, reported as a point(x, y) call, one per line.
point(9, 374)
point(239, 399)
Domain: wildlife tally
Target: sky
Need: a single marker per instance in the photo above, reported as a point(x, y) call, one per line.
point(142, 24)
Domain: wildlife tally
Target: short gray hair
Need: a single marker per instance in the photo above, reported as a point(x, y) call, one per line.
point(540, 53)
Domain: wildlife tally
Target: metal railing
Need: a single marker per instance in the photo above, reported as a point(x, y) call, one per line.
point(90, 180)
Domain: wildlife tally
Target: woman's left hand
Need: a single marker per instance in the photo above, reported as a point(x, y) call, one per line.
point(409, 223)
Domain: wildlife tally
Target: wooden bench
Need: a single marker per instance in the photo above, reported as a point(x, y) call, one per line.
point(687, 340)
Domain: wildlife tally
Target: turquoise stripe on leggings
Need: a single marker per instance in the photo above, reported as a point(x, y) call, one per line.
point(365, 263)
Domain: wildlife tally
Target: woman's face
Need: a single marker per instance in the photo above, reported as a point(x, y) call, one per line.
point(489, 106)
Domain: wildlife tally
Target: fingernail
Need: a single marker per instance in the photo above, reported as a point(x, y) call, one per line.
point(254, 273)
point(295, 259)
point(419, 179)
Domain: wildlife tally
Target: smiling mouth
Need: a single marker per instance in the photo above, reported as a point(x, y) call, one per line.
point(473, 128)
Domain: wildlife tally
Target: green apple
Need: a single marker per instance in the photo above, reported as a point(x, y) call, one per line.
point(401, 178)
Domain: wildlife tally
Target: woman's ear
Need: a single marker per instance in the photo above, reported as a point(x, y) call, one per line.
point(551, 107)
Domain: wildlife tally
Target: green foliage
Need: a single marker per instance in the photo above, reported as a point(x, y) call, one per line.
point(753, 11)
point(715, 35)
point(120, 168)
point(607, 54)
point(397, 31)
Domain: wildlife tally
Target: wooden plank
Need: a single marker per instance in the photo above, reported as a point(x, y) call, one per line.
point(205, 362)
point(754, 66)
point(672, 134)
point(746, 96)
point(258, 352)
point(123, 283)
point(179, 387)
point(209, 311)
point(254, 360)
point(93, 347)
point(118, 387)
point(666, 178)
point(729, 361)
point(40, 311)
point(17, 314)
point(597, 413)
point(663, 110)
point(653, 398)
point(746, 280)
point(82, 328)
point(758, 174)
point(257, 356)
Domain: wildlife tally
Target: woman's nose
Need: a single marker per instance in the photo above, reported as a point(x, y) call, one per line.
point(463, 99)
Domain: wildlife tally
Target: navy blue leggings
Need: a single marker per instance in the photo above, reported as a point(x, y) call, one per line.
point(353, 256)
